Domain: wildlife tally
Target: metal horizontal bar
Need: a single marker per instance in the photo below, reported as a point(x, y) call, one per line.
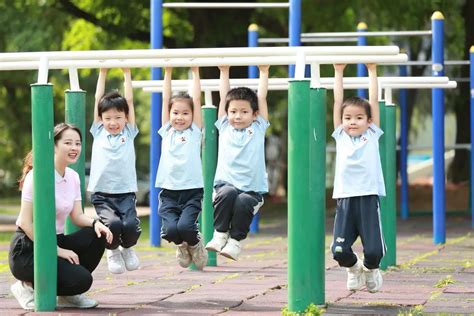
point(202, 62)
point(285, 40)
point(225, 5)
point(280, 81)
point(429, 63)
point(329, 86)
point(200, 53)
point(366, 34)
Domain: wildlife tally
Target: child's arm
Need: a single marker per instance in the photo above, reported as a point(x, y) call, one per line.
point(373, 93)
point(196, 97)
point(224, 87)
point(99, 92)
point(262, 91)
point(127, 76)
point(165, 111)
point(338, 94)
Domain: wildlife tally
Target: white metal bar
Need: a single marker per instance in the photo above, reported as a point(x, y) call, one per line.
point(357, 34)
point(315, 76)
point(279, 81)
point(201, 52)
point(300, 65)
point(74, 79)
point(429, 63)
point(43, 69)
point(225, 5)
point(329, 86)
point(388, 97)
point(208, 97)
point(285, 40)
point(202, 62)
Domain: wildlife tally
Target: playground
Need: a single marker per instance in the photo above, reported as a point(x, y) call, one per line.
point(286, 266)
point(427, 279)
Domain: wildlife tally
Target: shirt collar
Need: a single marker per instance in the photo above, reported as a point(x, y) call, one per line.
point(58, 178)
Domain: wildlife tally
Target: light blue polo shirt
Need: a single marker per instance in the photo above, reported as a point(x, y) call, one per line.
point(358, 167)
point(241, 158)
point(113, 160)
point(180, 163)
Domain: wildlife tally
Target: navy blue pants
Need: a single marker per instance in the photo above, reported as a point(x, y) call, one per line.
point(118, 212)
point(234, 210)
point(358, 216)
point(179, 211)
point(73, 279)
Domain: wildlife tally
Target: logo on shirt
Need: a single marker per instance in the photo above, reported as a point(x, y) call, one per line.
point(363, 139)
point(182, 139)
point(250, 131)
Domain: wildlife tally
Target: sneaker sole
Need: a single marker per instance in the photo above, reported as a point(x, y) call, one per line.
point(213, 249)
point(225, 254)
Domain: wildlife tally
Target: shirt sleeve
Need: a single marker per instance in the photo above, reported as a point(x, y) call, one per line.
point(221, 123)
point(162, 131)
point(95, 128)
point(262, 123)
point(337, 133)
point(27, 190)
point(375, 131)
point(132, 130)
point(77, 187)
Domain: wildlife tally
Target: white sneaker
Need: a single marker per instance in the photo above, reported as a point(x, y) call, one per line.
point(24, 294)
point(130, 258)
point(232, 249)
point(374, 279)
point(183, 256)
point(198, 255)
point(355, 276)
point(115, 261)
point(218, 241)
point(76, 301)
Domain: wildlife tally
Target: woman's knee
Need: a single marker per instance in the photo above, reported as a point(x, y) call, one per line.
point(77, 281)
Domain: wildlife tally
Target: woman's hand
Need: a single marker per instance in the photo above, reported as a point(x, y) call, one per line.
point(100, 229)
point(69, 255)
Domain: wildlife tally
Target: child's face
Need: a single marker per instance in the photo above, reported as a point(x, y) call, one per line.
point(181, 115)
point(355, 120)
point(68, 148)
point(240, 114)
point(114, 121)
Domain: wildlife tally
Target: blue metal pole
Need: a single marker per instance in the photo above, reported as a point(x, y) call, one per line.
point(361, 69)
point(471, 68)
point(252, 40)
point(294, 29)
point(253, 73)
point(403, 147)
point(156, 21)
point(439, 207)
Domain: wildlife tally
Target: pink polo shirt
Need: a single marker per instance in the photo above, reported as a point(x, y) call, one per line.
point(67, 191)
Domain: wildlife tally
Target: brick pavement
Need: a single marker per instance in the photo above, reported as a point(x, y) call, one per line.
point(427, 279)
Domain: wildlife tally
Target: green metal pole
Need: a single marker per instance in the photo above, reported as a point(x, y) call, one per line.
point(300, 281)
point(209, 162)
point(317, 193)
point(76, 114)
point(389, 223)
point(44, 210)
point(383, 160)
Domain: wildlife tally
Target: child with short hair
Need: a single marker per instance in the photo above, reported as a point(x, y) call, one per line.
point(113, 178)
point(180, 173)
point(241, 176)
point(358, 183)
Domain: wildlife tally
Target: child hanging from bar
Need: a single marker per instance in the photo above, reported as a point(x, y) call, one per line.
point(113, 178)
point(358, 183)
point(241, 176)
point(180, 174)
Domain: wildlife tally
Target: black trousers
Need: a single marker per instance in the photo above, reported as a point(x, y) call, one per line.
point(118, 212)
point(179, 211)
point(358, 216)
point(234, 210)
point(73, 279)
